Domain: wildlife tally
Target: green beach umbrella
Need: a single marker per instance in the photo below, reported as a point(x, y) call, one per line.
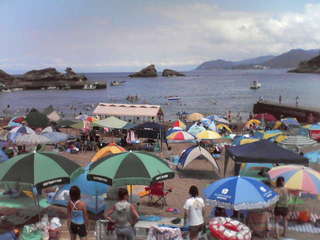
point(130, 168)
point(38, 169)
point(36, 119)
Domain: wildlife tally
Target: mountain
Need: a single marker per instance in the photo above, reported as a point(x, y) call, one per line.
point(310, 66)
point(290, 59)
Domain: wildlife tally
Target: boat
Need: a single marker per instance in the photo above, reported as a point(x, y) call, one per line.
point(52, 88)
point(16, 89)
point(6, 90)
point(91, 86)
point(255, 85)
point(116, 83)
point(173, 98)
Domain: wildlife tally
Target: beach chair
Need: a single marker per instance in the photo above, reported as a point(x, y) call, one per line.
point(157, 193)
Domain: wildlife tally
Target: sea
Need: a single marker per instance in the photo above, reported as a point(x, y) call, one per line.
point(208, 92)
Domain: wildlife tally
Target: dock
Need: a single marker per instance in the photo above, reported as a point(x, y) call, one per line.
point(302, 113)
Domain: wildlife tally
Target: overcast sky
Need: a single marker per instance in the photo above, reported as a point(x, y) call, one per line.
point(124, 35)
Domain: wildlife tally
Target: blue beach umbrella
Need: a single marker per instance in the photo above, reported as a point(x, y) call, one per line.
point(240, 193)
point(195, 129)
point(314, 157)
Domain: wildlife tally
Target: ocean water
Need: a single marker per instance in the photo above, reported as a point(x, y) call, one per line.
point(215, 91)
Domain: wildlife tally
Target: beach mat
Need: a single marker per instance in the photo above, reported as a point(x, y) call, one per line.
point(21, 202)
point(303, 228)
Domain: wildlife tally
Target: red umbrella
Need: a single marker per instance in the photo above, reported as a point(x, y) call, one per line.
point(18, 119)
point(266, 116)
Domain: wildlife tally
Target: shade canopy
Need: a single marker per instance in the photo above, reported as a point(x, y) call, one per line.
point(149, 126)
point(194, 152)
point(130, 168)
point(111, 122)
point(262, 151)
point(40, 169)
point(232, 192)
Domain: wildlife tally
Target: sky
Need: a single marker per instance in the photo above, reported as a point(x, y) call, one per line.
point(125, 35)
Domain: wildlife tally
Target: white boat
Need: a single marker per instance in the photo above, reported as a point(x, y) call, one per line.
point(6, 90)
point(174, 98)
point(16, 89)
point(255, 85)
point(51, 88)
point(92, 86)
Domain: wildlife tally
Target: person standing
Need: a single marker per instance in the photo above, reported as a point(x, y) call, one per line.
point(77, 215)
point(297, 101)
point(281, 209)
point(280, 99)
point(124, 216)
point(194, 213)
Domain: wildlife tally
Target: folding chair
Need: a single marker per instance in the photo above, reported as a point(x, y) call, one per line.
point(157, 191)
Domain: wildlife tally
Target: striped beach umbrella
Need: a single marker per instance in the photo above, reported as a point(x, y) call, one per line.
point(180, 136)
point(130, 168)
point(208, 135)
point(39, 169)
point(298, 177)
point(179, 124)
point(298, 141)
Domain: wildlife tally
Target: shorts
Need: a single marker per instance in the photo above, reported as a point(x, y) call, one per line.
point(196, 229)
point(78, 229)
point(281, 211)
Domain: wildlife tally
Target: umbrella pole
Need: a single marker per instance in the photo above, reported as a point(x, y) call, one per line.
point(131, 193)
point(37, 203)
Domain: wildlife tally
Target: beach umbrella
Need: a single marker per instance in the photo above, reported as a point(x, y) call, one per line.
point(277, 125)
point(91, 119)
point(298, 141)
point(298, 177)
point(179, 124)
point(290, 122)
point(36, 119)
point(193, 117)
point(218, 119)
point(174, 129)
point(55, 137)
point(38, 169)
point(314, 157)
point(110, 149)
point(21, 130)
point(266, 117)
point(82, 117)
point(221, 126)
point(195, 129)
point(267, 134)
point(16, 121)
point(240, 193)
point(280, 138)
point(205, 122)
point(208, 135)
point(180, 136)
point(248, 140)
point(212, 126)
point(312, 126)
point(130, 168)
point(32, 139)
point(252, 122)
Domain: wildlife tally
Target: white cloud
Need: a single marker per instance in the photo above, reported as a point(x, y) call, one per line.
point(177, 35)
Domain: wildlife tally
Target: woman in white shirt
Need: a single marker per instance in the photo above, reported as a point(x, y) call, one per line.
point(194, 213)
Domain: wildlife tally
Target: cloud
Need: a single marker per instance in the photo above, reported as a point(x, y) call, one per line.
point(164, 34)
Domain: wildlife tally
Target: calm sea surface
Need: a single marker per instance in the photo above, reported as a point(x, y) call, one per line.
point(204, 92)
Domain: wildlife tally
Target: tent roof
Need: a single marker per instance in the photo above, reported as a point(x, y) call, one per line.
point(264, 151)
point(111, 122)
point(149, 126)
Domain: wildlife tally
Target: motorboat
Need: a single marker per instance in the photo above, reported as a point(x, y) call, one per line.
point(255, 85)
point(92, 86)
point(173, 98)
point(6, 90)
point(117, 83)
point(52, 88)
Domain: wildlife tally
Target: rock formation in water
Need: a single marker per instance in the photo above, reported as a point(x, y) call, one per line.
point(149, 71)
point(5, 77)
point(311, 66)
point(51, 74)
point(171, 73)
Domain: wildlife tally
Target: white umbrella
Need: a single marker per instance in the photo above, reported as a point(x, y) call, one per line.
point(32, 139)
point(56, 137)
point(298, 141)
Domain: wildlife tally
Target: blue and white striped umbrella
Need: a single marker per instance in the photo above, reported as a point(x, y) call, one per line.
point(240, 193)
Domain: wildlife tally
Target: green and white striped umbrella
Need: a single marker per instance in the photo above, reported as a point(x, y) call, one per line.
point(130, 168)
point(39, 169)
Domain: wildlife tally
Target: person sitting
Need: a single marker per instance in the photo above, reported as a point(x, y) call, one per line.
point(259, 222)
point(220, 212)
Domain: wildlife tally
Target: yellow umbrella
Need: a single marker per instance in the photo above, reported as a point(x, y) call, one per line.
point(248, 140)
point(277, 125)
point(194, 117)
point(111, 148)
point(252, 121)
point(208, 134)
point(281, 138)
point(221, 125)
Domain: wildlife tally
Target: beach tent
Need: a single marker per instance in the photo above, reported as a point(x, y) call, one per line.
point(262, 151)
point(91, 193)
point(111, 148)
point(194, 152)
point(111, 122)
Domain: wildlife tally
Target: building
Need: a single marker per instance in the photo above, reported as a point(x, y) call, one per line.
point(135, 113)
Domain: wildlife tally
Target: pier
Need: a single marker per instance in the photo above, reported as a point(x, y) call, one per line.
point(302, 113)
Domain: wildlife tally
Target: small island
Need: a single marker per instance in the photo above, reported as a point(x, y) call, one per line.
point(311, 66)
point(149, 71)
point(172, 73)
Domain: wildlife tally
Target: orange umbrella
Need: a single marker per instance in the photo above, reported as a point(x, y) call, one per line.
point(111, 148)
